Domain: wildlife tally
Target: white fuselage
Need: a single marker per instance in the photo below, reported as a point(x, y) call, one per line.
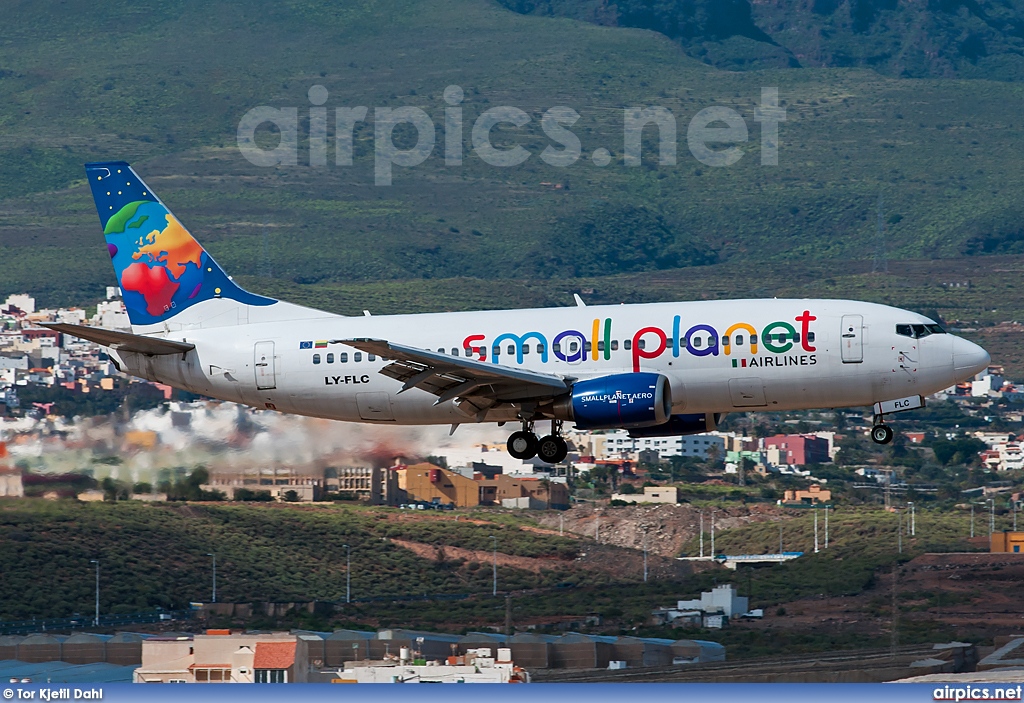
point(809, 354)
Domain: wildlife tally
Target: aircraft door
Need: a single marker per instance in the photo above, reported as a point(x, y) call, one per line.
point(266, 374)
point(852, 339)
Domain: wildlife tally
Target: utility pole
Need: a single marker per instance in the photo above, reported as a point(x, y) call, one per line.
point(815, 529)
point(702, 533)
point(645, 557)
point(494, 565)
point(899, 531)
point(713, 552)
point(508, 614)
point(96, 619)
point(894, 635)
point(211, 554)
point(348, 574)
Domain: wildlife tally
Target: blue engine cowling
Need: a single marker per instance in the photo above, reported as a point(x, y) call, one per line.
point(679, 425)
point(619, 401)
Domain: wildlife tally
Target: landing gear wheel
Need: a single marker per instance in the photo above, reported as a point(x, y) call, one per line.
point(522, 445)
point(881, 434)
point(552, 449)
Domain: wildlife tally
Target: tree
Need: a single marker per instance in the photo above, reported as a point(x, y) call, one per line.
point(291, 496)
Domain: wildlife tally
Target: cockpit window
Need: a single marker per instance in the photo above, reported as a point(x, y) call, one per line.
point(918, 331)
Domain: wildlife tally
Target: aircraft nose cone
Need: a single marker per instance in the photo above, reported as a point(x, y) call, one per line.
point(968, 359)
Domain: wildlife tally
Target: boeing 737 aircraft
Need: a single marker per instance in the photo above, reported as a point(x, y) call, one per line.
point(658, 369)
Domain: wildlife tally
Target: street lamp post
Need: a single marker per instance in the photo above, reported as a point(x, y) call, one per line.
point(96, 619)
point(713, 553)
point(991, 517)
point(494, 565)
point(702, 533)
point(348, 574)
point(645, 557)
point(826, 527)
point(913, 519)
point(214, 596)
point(899, 530)
point(815, 529)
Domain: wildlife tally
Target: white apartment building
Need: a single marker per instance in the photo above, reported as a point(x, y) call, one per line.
point(617, 444)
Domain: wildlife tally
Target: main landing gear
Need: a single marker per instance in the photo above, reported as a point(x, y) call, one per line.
point(551, 449)
point(881, 433)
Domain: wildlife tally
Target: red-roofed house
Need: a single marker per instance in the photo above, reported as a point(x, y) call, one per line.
point(222, 657)
point(274, 662)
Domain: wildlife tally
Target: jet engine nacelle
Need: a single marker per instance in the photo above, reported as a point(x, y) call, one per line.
point(622, 400)
point(678, 425)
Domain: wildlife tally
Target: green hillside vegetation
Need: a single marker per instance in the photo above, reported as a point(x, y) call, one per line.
point(940, 38)
point(100, 84)
point(156, 556)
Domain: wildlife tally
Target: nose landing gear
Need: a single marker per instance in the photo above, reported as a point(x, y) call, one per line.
point(881, 433)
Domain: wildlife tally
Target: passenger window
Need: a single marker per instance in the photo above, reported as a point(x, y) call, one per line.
point(330, 358)
point(588, 347)
point(573, 346)
point(711, 341)
point(615, 345)
point(455, 352)
point(511, 349)
point(753, 339)
point(540, 348)
point(642, 344)
point(725, 340)
point(496, 351)
point(440, 351)
point(627, 344)
point(526, 349)
point(810, 336)
point(358, 356)
point(600, 346)
point(343, 357)
point(371, 357)
point(316, 358)
point(698, 342)
point(796, 336)
point(739, 340)
point(468, 351)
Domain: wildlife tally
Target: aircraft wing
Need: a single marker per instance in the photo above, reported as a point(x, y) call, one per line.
point(450, 377)
point(123, 341)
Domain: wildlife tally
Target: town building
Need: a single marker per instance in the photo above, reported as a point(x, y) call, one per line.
point(722, 599)
point(475, 666)
point(797, 449)
point(651, 494)
point(813, 494)
point(617, 444)
point(432, 484)
point(1012, 542)
point(222, 657)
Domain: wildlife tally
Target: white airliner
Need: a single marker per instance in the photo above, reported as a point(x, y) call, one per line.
point(657, 369)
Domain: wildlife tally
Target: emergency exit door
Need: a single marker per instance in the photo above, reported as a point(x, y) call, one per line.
point(852, 339)
point(266, 374)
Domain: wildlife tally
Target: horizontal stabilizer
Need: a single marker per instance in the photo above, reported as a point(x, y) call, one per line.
point(124, 341)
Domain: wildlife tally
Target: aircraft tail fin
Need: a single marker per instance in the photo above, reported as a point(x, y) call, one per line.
point(161, 268)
